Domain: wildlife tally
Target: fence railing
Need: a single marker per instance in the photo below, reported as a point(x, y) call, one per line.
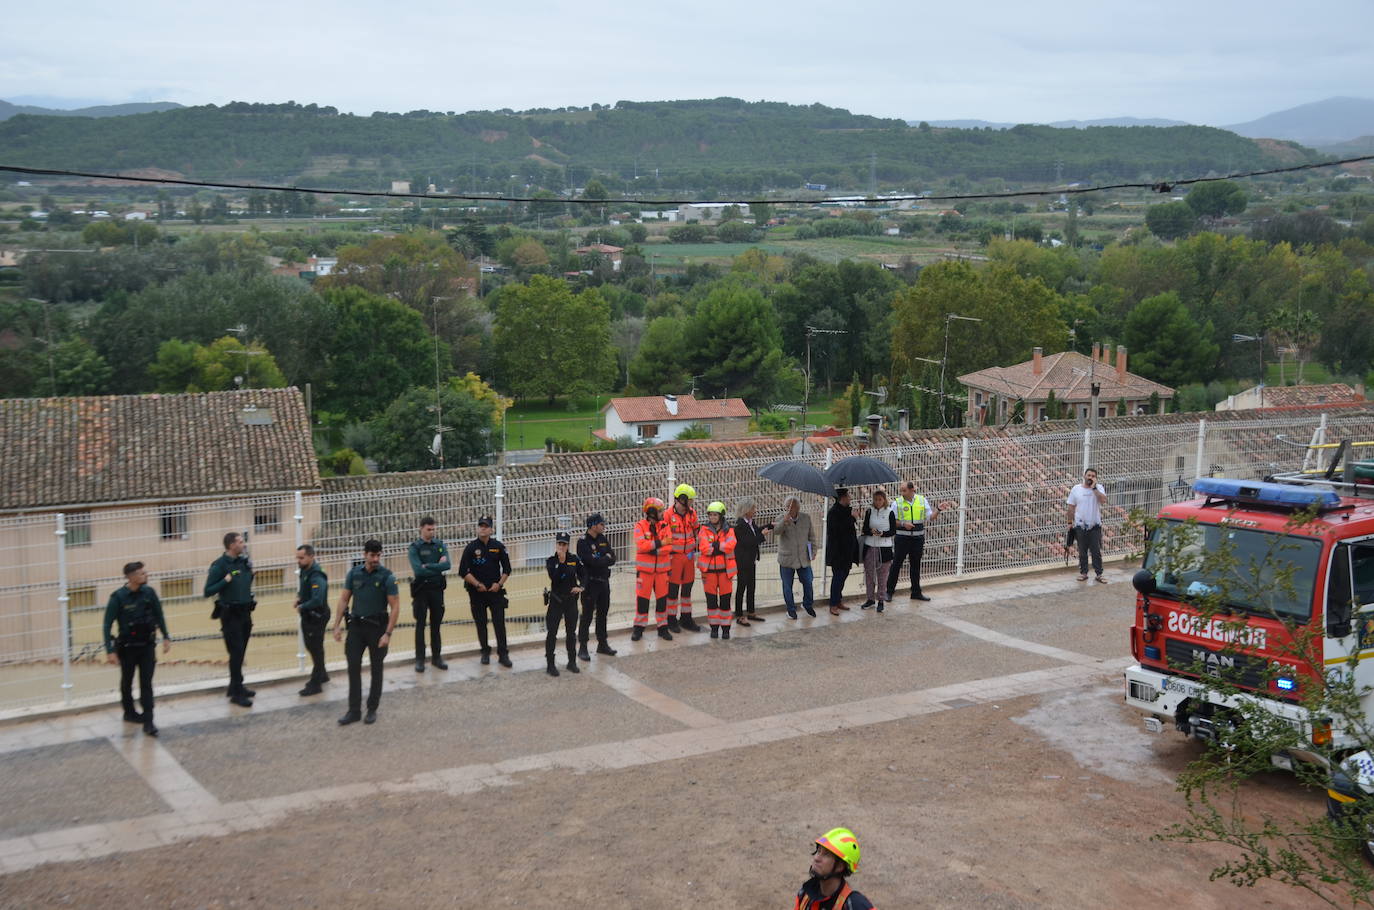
point(1001, 501)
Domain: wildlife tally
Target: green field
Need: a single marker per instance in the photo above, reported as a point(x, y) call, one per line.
point(827, 249)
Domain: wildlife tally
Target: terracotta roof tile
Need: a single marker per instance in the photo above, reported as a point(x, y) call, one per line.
point(1057, 373)
point(653, 408)
point(1281, 396)
point(122, 448)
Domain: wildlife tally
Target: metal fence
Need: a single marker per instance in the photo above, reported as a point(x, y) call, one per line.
point(1001, 501)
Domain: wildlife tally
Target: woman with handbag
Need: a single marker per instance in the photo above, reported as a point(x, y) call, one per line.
point(879, 531)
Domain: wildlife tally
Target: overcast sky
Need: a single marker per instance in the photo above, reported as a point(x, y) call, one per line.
point(1205, 61)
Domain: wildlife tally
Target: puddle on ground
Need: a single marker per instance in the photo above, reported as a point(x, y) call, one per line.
point(1098, 731)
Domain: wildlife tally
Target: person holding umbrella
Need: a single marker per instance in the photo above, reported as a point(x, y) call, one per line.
point(796, 548)
point(841, 547)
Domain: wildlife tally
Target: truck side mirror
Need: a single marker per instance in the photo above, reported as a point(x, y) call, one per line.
point(1144, 582)
point(1338, 620)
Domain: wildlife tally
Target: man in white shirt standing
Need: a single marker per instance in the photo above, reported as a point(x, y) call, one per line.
point(1085, 504)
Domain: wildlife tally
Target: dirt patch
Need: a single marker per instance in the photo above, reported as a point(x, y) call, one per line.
point(958, 809)
point(493, 135)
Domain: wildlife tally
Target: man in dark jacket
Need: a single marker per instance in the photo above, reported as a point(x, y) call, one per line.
point(841, 547)
point(749, 538)
point(312, 603)
point(596, 556)
point(429, 561)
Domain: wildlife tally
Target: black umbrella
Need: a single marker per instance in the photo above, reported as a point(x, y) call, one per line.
point(860, 471)
point(799, 476)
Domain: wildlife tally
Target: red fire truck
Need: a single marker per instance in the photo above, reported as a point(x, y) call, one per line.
point(1315, 575)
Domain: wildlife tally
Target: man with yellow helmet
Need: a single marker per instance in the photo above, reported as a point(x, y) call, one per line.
point(834, 858)
point(682, 520)
point(716, 559)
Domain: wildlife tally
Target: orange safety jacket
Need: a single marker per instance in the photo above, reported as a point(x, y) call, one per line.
point(685, 529)
point(722, 563)
point(646, 560)
point(841, 896)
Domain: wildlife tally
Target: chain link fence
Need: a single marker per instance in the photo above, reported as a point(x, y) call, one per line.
point(1001, 502)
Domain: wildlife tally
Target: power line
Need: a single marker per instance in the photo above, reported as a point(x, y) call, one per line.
point(1162, 186)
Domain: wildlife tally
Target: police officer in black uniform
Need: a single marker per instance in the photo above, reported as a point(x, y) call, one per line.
point(312, 603)
point(230, 582)
point(139, 613)
point(428, 563)
point(485, 567)
point(565, 583)
point(596, 556)
point(376, 605)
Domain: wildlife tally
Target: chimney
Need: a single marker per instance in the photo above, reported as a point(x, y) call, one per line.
point(875, 423)
point(1121, 361)
point(670, 402)
point(1107, 354)
point(903, 420)
point(1097, 350)
point(1036, 354)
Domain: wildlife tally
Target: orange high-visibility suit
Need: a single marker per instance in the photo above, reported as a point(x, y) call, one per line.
point(716, 559)
point(680, 574)
point(653, 557)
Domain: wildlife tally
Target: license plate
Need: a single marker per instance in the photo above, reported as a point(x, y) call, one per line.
point(1183, 687)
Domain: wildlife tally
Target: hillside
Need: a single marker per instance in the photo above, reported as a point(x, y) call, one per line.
point(1060, 124)
point(1321, 123)
point(8, 110)
point(724, 144)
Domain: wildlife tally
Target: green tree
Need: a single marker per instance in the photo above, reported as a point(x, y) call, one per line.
point(734, 345)
point(376, 349)
point(403, 434)
point(661, 365)
point(1215, 199)
point(78, 369)
point(1167, 344)
point(551, 342)
point(225, 363)
point(595, 189)
point(1170, 220)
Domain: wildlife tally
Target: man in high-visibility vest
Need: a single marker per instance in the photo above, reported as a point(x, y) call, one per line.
point(716, 559)
point(682, 519)
point(913, 514)
point(653, 556)
point(834, 858)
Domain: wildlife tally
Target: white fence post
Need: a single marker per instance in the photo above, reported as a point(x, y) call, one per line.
point(300, 539)
point(62, 602)
point(963, 508)
point(1201, 446)
point(500, 508)
point(672, 479)
point(1087, 449)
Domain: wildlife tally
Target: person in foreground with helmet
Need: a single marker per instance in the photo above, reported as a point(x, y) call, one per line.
point(682, 520)
point(653, 557)
point(834, 858)
point(716, 559)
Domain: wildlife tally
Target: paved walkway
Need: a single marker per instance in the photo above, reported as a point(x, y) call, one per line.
point(88, 785)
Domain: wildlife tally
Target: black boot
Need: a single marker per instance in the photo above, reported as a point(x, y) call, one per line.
point(715, 631)
point(605, 648)
point(582, 652)
point(672, 624)
point(572, 665)
point(725, 632)
point(552, 668)
point(636, 635)
point(690, 624)
point(664, 634)
point(311, 688)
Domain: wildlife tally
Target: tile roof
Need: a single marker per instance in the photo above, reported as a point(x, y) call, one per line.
point(124, 448)
point(653, 408)
point(1057, 373)
point(599, 248)
point(1281, 396)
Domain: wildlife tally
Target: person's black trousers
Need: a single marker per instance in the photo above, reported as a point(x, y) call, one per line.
point(236, 626)
point(837, 583)
point(364, 636)
point(427, 601)
point(484, 602)
point(596, 600)
point(744, 587)
point(1089, 544)
point(906, 548)
point(142, 658)
point(562, 608)
point(313, 635)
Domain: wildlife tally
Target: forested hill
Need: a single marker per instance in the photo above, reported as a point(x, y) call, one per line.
point(724, 143)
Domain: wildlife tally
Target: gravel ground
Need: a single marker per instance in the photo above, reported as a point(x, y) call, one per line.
point(37, 792)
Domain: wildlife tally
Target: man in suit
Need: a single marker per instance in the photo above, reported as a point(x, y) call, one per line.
point(750, 536)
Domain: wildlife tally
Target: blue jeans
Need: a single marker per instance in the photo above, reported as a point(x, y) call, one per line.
point(804, 573)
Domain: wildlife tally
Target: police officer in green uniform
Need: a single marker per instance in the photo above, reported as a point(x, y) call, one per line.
point(428, 563)
point(230, 582)
point(139, 613)
point(312, 603)
point(913, 514)
point(372, 590)
point(485, 567)
point(565, 583)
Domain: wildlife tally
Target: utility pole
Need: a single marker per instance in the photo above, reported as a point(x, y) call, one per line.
point(806, 391)
point(944, 361)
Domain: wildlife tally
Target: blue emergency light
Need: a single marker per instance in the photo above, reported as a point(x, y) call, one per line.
point(1259, 492)
point(1286, 684)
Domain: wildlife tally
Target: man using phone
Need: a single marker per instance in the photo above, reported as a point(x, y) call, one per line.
point(1085, 502)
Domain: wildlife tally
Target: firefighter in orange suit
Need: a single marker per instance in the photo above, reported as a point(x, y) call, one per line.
point(716, 559)
point(682, 518)
point(653, 558)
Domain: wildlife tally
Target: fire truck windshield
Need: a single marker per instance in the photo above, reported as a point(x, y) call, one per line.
point(1255, 571)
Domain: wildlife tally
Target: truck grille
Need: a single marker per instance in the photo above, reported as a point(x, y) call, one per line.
point(1141, 691)
point(1237, 669)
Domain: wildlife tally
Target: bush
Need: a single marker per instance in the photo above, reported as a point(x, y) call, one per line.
point(695, 431)
point(734, 232)
point(771, 422)
point(688, 233)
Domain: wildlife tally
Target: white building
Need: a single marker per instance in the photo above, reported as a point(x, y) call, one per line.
point(655, 419)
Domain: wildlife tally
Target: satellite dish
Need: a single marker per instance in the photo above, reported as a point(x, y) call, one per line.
point(437, 445)
point(802, 447)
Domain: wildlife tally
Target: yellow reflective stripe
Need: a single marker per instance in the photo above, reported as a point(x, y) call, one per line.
point(1366, 654)
point(1341, 797)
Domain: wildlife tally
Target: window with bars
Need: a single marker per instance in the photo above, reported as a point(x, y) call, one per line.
point(78, 529)
point(175, 522)
point(178, 587)
point(269, 578)
point(81, 597)
point(267, 519)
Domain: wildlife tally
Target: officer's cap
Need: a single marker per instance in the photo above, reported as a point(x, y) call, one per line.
point(485, 521)
point(595, 519)
point(562, 537)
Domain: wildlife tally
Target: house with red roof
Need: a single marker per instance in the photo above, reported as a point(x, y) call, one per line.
point(659, 418)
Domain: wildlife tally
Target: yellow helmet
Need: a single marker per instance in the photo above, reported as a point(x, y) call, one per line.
point(842, 843)
point(716, 507)
point(684, 490)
